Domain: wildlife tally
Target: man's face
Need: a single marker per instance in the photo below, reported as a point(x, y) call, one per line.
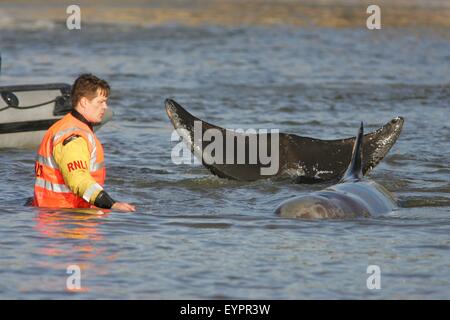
point(94, 110)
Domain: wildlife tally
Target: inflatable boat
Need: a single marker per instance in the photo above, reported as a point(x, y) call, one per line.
point(27, 111)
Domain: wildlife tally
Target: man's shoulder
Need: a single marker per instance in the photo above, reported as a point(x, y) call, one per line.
point(71, 146)
point(68, 127)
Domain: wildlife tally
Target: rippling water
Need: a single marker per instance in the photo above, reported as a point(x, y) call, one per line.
point(201, 237)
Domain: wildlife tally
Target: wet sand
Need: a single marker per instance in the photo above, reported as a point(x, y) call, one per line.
point(324, 13)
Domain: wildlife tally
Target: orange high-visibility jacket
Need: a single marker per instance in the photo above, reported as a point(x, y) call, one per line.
point(50, 189)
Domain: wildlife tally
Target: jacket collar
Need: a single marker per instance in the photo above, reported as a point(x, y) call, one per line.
point(80, 117)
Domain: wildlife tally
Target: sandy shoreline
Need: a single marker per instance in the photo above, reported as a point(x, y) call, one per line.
point(323, 13)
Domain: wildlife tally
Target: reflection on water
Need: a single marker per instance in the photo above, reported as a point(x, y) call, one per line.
point(67, 224)
point(73, 233)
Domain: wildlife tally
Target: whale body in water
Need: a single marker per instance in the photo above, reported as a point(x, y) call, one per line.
point(353, 196)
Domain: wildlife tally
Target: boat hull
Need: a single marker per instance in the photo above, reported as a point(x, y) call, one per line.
point(27, 111)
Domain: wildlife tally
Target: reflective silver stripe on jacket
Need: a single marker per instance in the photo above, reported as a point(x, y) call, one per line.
point(63, 132)
point(90, 191)
point(97, 166)
point(60, 188)
point(48, 161)
point(68, 130)
point(93, 152)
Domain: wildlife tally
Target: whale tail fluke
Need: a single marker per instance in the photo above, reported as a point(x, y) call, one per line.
point(305, 159)
point(354, 170)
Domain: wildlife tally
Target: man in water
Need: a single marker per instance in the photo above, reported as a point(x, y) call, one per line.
point(70, 171)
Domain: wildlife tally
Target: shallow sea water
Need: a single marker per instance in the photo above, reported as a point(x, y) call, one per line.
point(195, 236)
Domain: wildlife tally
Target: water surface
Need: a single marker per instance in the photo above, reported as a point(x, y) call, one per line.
point(197, 236)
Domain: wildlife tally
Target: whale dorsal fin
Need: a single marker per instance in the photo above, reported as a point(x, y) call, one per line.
point(354, 170)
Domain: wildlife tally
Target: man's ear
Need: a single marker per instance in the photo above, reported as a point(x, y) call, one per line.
point(83, 101)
